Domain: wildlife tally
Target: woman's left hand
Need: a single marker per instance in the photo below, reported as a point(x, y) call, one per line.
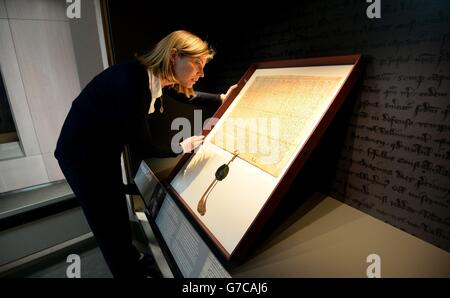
point(224, 97)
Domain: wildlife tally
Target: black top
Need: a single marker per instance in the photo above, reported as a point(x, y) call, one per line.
point(110, 112)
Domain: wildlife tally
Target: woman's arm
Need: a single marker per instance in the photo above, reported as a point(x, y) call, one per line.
point(206, 99)
point(143, 141)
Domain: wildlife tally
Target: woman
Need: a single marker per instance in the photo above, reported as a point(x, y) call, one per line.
point(110, 113)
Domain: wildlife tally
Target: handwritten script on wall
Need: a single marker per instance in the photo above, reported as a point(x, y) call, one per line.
point(395, 164)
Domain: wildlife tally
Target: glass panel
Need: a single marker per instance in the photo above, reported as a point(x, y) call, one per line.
point(9, 138)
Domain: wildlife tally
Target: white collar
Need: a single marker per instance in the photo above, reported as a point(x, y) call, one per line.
point(155, 89)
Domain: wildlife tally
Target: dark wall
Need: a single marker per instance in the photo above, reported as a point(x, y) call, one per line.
point(395, 161)
point(225, 25)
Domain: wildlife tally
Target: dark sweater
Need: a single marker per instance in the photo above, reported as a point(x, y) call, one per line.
point(111, 112)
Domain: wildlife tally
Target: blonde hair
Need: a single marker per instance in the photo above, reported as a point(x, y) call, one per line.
point(186, 44)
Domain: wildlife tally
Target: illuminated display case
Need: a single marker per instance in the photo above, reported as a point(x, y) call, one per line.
point(257, 143)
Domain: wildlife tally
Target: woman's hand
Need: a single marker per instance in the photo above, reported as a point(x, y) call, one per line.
point(191, 143)
point(224, 97)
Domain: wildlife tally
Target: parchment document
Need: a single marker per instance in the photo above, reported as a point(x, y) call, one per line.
point(276, 114)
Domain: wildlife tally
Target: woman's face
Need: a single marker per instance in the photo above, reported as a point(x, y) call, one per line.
point(188, 70)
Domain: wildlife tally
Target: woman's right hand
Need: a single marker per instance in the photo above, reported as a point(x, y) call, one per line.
point(224, 97)
point(191, 143)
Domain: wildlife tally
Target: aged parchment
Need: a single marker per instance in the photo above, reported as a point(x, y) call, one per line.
point(274, 115)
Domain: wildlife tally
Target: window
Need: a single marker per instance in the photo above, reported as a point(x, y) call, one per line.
point(9, 139)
